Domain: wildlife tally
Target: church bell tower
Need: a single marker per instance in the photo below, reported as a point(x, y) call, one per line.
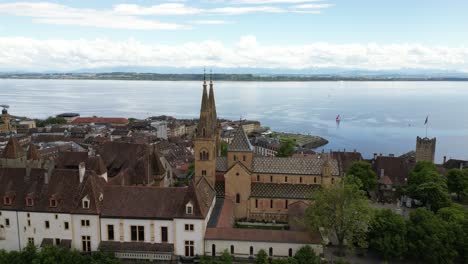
point(207, 137)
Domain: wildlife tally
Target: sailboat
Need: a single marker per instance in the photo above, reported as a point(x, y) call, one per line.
point(338, 118)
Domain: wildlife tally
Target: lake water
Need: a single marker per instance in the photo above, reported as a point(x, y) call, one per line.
point(382, 117)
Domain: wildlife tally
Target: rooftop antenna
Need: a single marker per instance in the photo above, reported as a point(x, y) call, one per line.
point(5, 106)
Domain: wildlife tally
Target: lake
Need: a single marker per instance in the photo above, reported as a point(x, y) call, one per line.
point(381, 117)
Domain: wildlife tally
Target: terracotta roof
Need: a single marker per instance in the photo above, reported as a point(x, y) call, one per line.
point(109, 120)
point(13, 150)
point(33, 153)
point(346, 159)
point(71, 159)
point(240, 142)
point(304, 166)
point(385, 180)
point(115, 246)
point(282, 190)
point(261, 235)
point(97, 164)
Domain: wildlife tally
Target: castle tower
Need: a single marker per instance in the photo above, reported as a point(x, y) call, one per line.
point(5, 121)
point(206, 137)
point(425, 149)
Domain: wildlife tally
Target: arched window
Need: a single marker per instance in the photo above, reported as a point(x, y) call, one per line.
point(300, 179)
point(203, 132)
point(251, 251)
point(270, 252)
point(204, 155)
point(232, 249)
point(256, 203)
point(258, 177)
point(333, 180)
point(213, 250)
point(271, 203)
point(315, 179)
point(243, 158)
point(285, 178)
point(290, 253)
point(286, 203)
point(235, 158)
point(271, 178)
point(237, 198)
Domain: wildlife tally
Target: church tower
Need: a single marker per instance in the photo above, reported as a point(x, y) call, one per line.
point(207, 137)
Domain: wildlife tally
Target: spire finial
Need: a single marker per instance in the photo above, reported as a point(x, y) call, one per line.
point(204, 74)
point(211, 75)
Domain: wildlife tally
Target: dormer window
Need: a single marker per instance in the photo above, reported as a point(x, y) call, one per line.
point(7, 200)
point(189, 209)
point(53, 202)
point(85, 203)
point(29, 201)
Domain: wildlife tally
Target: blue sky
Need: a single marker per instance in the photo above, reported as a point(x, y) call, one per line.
point(363, 34)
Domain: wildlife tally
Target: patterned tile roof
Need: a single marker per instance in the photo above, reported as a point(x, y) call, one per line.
point(282, 190)
point(221, 164)
point(240, 142)
point(298, 165)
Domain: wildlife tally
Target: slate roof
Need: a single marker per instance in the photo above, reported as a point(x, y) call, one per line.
point(455, 164)
point(156, 202)
point(240, 142)
point(117, 246)
point(291, 165)
point(282, 190)
point(102, 120)
point(261, 235)
point(346, 159)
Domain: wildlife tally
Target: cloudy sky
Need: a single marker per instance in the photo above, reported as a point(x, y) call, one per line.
point(286, 34)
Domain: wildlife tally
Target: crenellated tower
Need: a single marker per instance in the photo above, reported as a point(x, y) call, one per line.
point(207, 137)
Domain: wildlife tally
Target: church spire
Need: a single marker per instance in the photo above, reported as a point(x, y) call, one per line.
point(212, 101)
point(204, 122)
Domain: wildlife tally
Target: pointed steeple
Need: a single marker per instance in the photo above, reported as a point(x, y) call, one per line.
point(33, 153)
point(212, 104)
point(13, 149)
point(205, 118)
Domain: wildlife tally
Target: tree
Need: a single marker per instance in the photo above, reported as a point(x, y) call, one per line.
point(457, 182)
point(225, 258)
point(262, 257)
point(306, 255)
point(341, 210)
point(428, 186)
point(387, 234)
point(457, 218)
point(50, 121)
point(206, 260)
point(363, 171)
point(224, 149)
point(430, 239)
point(284, 261)
point(286, 148)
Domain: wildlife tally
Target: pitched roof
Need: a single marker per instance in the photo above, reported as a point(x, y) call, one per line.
point(33, 153)
point(262, 235)
point(13, 150)
point(292, 165)
point(396, 168)
point(151, 202)
point(109, 120)
point(282, 190)
point(240, 142)
point(221, 164)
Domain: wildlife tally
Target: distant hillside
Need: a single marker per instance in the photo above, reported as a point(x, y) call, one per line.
point(237, 77)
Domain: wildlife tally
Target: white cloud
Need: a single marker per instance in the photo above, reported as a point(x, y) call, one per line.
point(257, 2)
point(50, 13)
point(210, 22)
point(55, 54)
point(129, 16)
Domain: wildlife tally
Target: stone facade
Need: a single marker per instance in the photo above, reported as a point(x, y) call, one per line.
point(425, 149)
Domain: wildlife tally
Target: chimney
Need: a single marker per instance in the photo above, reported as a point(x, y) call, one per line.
point(380, 154)
point(461, 165)
point(375, 155)
point(382, 173)
point(28, 170)
point(445, 159)
point(82, 170)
